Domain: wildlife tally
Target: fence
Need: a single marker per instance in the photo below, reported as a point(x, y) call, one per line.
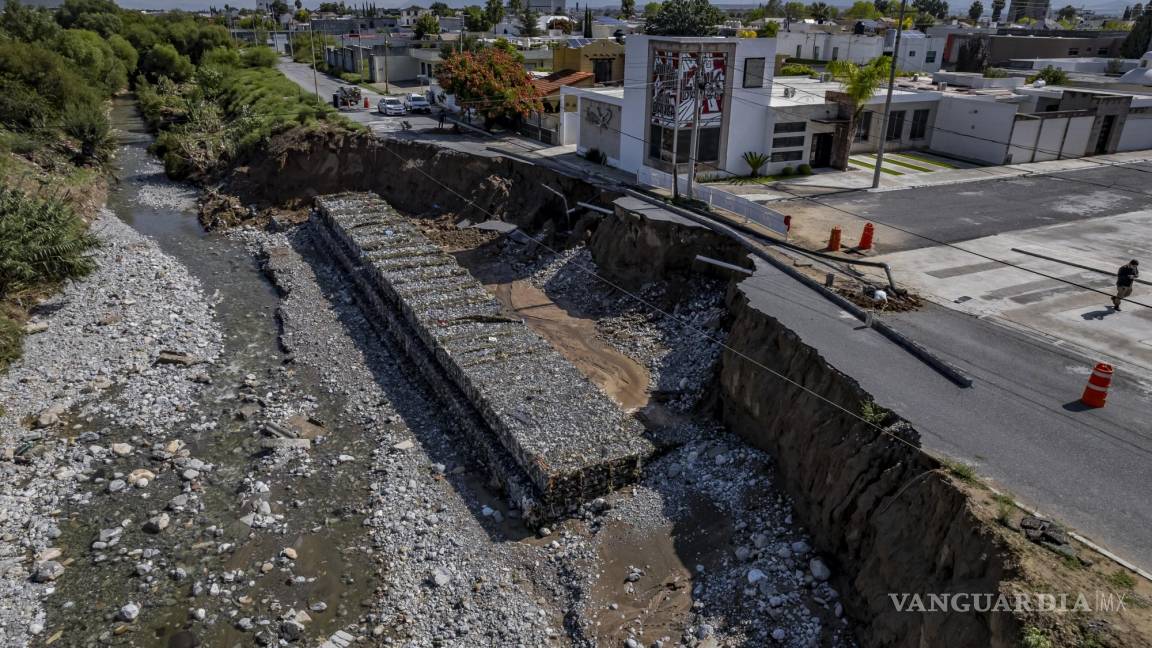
point(734, 203)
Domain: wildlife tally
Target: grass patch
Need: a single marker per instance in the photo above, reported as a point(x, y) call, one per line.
point(42, 241)
point(925, 160)
point(907, 165)
point(872, 167)
point(873, 413)
point(1005, 509)
point(962, 471)
point(1121, 580)
point(11, 342)
point(1034, 637)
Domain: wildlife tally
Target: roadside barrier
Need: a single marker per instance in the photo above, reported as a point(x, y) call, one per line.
point(866, 237)
point(1096, 391)
point(833, 240)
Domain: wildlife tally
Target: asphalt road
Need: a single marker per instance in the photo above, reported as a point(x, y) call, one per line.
point(1019, 424)
point(952, 213)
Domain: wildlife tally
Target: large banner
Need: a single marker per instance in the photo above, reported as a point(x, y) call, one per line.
point(702, 72)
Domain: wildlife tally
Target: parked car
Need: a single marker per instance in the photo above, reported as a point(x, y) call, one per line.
point(417, 103)
point(391, 106)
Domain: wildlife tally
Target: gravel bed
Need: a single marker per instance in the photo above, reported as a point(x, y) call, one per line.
point(94, 354)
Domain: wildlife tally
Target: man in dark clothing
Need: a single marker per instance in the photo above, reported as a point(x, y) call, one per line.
point(1124, 278)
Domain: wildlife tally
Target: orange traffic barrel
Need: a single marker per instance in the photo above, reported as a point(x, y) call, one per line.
point(1096, 391)
point(834, 240)
point(866, 237)
point(366, 104)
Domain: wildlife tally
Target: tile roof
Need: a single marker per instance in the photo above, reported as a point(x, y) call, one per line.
point(552, 83)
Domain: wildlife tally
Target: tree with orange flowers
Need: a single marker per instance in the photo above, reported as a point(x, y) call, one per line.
point(491, 81)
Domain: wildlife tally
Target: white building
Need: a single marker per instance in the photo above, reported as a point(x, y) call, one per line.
point(918, 53)
point(668, 81)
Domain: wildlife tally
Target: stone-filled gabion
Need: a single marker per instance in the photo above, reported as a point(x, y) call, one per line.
point(551, 435)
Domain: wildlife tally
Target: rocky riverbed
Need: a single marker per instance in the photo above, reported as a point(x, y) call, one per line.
point(206, 444)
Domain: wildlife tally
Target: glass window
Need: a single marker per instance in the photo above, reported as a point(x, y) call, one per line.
point(791, 127)
point(787, 156)
point(754, 73)
point(816, 52)
point(835, 53)
point(930, 57)
point(864, 127)
point(798, 52)
point(788, 142)
point(896, 125)
point(912, 54)
point(919, 124)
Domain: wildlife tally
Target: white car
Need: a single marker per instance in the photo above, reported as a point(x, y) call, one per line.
point(391, 106)
point(417, 103)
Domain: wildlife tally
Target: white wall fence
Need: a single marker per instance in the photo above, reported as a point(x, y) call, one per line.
point(749, 210)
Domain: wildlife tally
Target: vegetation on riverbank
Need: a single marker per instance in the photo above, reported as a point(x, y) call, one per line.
point(211, 101)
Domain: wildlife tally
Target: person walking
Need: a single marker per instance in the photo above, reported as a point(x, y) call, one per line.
point(440, 125)
point(1124, 278)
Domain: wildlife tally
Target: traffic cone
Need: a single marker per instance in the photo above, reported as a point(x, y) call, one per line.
point(866, 237)
point(834, 240)
point(366, 104)
point(1096, 391)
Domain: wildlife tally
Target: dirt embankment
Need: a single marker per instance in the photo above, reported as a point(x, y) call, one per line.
point(893, 520)
point(417, 178)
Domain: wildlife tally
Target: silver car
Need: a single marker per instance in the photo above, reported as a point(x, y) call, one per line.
point(391, 106)
point(417, 103)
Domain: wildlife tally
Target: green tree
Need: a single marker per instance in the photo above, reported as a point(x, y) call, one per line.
point(862, 10)
point(264, 57)
point(860, 83)
point(1139, 40)
point(820, 11)
point(528, 24)
point(770, 30)
point(587, 23)
point(935, 8)
point(26, 23)
point(515, 7)
point(93, 57)
point(685, 18)
point(1067, 12)
point(795, 10)
point(101, 16)
point(886, 7)
point(997, 9)
point(164, 61)
point(492, 81)
point(650, 10)
point(494, 10)
point(426, 25)
point(1050, 76)
point(975, 10)
point(627, 9)
point(774, 9)
point(441, 9)
point(476, 19)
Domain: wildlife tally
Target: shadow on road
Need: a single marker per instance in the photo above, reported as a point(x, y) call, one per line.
point(1098, 314)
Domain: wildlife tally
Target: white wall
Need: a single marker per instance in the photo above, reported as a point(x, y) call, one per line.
point(748, 125)
point(1137, 133)
point(1039, 140)
point(973, 129)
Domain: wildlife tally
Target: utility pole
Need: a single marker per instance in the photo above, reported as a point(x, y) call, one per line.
point(888, 99)
point(676, 133)
point(312, 42)
point(693, 147)
point(387, 47)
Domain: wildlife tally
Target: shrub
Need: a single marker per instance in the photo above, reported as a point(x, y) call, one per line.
point(994, 73)
point(1035, 638)
point(755, 161)
point(795, 69)
point(351, 77)
point(804, 169)
point(164, 61)
point(596, 155)
point(264, 57)
point(787, 171)
point(41, 242)
point(89, 126)
point(11, 341)
point(1050, 76)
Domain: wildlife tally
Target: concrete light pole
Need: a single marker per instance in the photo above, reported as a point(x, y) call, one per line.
point(888, 99)
point(312, 42)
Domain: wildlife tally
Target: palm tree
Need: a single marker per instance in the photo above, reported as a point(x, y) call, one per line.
point(860, 83)
point(820, 11)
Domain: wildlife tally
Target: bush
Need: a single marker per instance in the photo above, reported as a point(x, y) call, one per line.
point(89, 126)
point(787, 172)
point(596, 155)
point(11, 341)
point(41, 242)
point(804, 169)
point(259, 57)
point(755, 161)
point(994, 73)
point(351, 77)
point(164, 61)
point(795, 69)
point(1050, 76)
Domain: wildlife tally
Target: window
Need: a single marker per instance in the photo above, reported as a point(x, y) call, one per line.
point(791, 127)
point(864, 128)
point(660, 144)
point(787, 156)
point(816, 52)
point(1073, 51)
point(835, 53)
point(912, 54)
point(919, 124)
point(788, 142)
point(896, 125)
point(799, 54)
point(930, 57)
point(753, 73)
point(602, 70)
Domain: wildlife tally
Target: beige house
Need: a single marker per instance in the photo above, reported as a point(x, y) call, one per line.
point(604, 58)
